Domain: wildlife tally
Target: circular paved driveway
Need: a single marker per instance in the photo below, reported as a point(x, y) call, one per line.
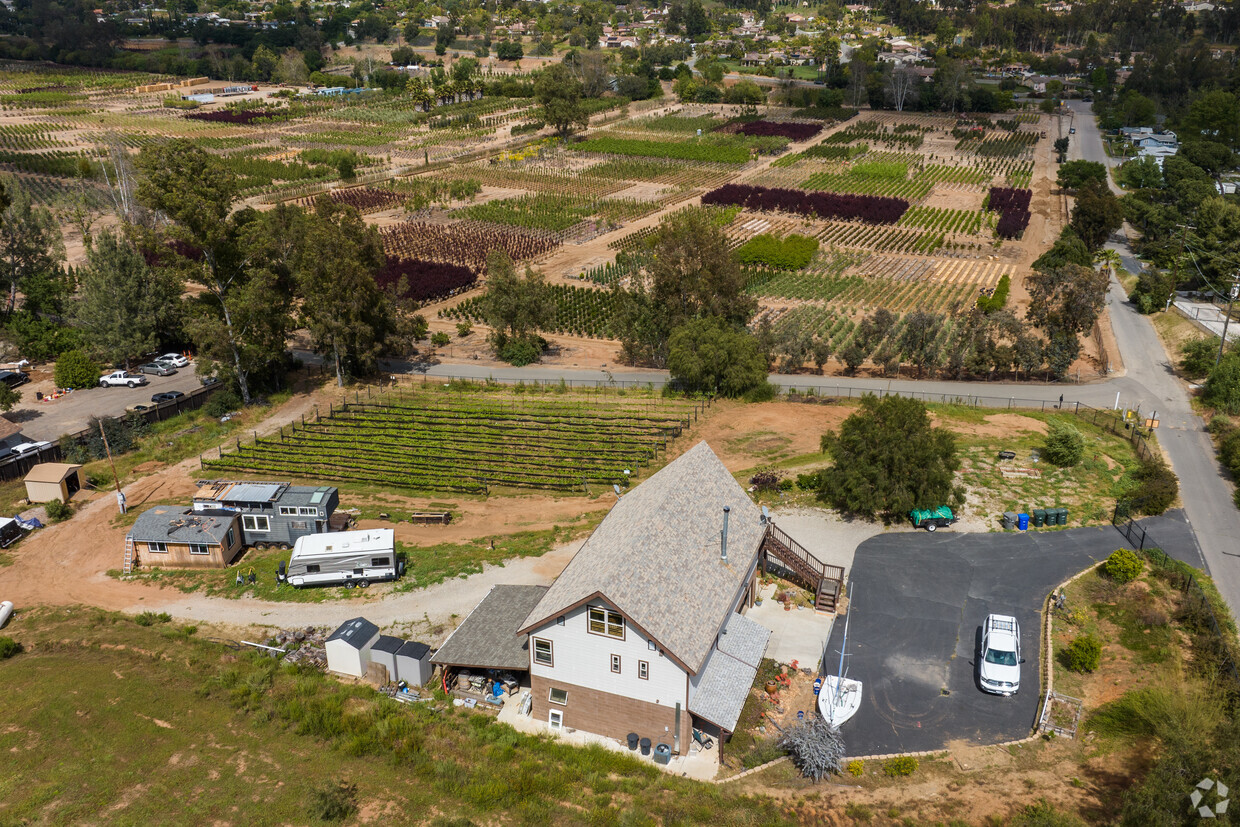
point(919, 600)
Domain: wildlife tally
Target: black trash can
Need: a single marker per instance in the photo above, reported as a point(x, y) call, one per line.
point(1039, 517)
point(645, 746)
point(632, 740)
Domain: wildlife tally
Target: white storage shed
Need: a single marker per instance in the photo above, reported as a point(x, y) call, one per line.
point(348, 648)
point(384, 652)
point(413, 662)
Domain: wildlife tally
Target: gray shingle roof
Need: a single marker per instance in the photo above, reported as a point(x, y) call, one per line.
point(656, 557)
point(730, 672)
point(387, 643)
point(489, 639)
point(744, 639)
point(171, 524)
point(356, 632)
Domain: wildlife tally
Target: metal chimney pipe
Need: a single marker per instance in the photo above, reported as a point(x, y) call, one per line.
point(723, 552)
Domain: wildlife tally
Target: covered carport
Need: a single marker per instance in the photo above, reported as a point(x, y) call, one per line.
point(486, 647)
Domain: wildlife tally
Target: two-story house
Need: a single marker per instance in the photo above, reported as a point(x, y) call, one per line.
point(642, 632)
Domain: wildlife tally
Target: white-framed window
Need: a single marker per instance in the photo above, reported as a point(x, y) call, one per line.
point(555, 719)
point(231, 538)
point(256, 522)
point(199, 548)
point(643, 670)
point(543, 653)
point(288, 511)
point(307, 512)
point(615, 664)
point(601, 621)
point(558, 696)
point(158, 548)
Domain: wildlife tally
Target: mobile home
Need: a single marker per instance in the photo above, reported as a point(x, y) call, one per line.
point(345, 558)
point(273, 514)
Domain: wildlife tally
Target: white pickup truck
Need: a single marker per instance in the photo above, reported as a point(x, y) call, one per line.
point(119, 378)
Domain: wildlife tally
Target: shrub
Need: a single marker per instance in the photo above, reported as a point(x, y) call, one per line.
point(1220, 425)
point(1157, 487)
point(58, 512)
point(334, 801)
point(1064, 445)
point(791, 253)
point(151, 618)
point(764, 392)
point(1197, 356)
point(440, 339)
point(899, 766)
point(521, 350)
point(1083, 654)
point(998, 299)
point(9, 648)
point(220, 403)
point(856, 768)
point(74, 369)
point(1044, 814)
point(463, 329)
point(1123, 566)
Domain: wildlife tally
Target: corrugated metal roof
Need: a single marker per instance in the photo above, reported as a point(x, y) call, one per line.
point(656, 556)
point(253, 492)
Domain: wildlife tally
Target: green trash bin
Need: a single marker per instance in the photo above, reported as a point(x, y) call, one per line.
point(1039, 517)
point(1063, 516)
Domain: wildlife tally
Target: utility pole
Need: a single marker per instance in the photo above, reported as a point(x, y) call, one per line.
point(1231, 298)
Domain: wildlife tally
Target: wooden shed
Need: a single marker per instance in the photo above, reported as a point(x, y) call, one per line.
point(49, 481)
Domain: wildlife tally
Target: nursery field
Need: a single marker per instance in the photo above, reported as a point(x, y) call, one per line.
point(462, 440)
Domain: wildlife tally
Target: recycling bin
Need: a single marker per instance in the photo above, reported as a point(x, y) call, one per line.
point(1022, 521)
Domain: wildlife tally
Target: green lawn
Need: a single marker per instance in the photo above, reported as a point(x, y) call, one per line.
point(116, 723)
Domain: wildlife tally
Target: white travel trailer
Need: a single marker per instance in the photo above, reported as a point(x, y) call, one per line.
point(343, 558)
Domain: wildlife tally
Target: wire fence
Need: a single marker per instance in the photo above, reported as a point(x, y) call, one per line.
point(1216, 640)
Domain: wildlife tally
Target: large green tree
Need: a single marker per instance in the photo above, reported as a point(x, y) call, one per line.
point(709, 356)
point(516, 307)
point(31, 250)
point(242, 317)
point(123, 306)
point(334, 264)
point(1074, 174)
point(559, 93)
point(1096, 214)
point(888, 460)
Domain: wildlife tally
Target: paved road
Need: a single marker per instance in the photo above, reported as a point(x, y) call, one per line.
point(913, 641)
point(69, 414)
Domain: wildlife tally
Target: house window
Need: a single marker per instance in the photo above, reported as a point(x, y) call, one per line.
point(542, 652)
point(615, 664)
point(231, 538)
point(558, 696)
point(198, 548)
point(288, 511)
point(380, 561)
point(308, 512)
point(555, 719)
point(559, 621)
point(298, 525)
point(643, 670)
point(160, 548)
point(256, 522)
point(650, 645)
point(605, 622)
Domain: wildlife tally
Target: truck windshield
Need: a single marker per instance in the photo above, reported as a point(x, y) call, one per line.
point(1000, 658)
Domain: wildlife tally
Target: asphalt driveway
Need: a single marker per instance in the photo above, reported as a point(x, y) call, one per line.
point(918, 603)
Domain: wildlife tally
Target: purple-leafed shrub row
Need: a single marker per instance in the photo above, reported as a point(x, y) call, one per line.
point(791, 131)
point(423, 280)
point(241, 116)
point(872, 209)
point(1013, 208)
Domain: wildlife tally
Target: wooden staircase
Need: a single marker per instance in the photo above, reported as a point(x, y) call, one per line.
point(826, 582)
point(127, 568)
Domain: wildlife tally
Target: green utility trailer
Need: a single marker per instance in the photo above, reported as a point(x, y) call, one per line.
point(932, 519)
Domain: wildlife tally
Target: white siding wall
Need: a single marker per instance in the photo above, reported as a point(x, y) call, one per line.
point(584, 659)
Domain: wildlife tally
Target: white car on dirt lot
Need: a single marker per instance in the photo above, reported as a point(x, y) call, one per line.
point(174, 359)
point(999, 666)
point(121, 379)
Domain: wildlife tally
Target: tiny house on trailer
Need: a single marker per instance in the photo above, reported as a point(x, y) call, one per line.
point(345, 558)
point(273, 514)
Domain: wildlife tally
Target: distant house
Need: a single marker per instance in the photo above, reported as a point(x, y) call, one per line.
point(273, 514)
point(174, 537)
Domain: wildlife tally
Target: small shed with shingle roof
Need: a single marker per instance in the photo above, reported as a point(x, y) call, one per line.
point(490, 637)
point(50, 481)
point(348, 648)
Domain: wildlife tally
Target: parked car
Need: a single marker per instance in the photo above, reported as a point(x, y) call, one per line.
point(174, 359)
point(208, 380)
point(26, 448)
point(121, 378)
point(157, 369)
point(166, 396)
point(13, 378)
point(932, 519)
point(139, 408)
point(999, 666)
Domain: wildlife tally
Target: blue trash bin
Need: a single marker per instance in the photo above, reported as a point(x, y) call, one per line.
point(1022, 521)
